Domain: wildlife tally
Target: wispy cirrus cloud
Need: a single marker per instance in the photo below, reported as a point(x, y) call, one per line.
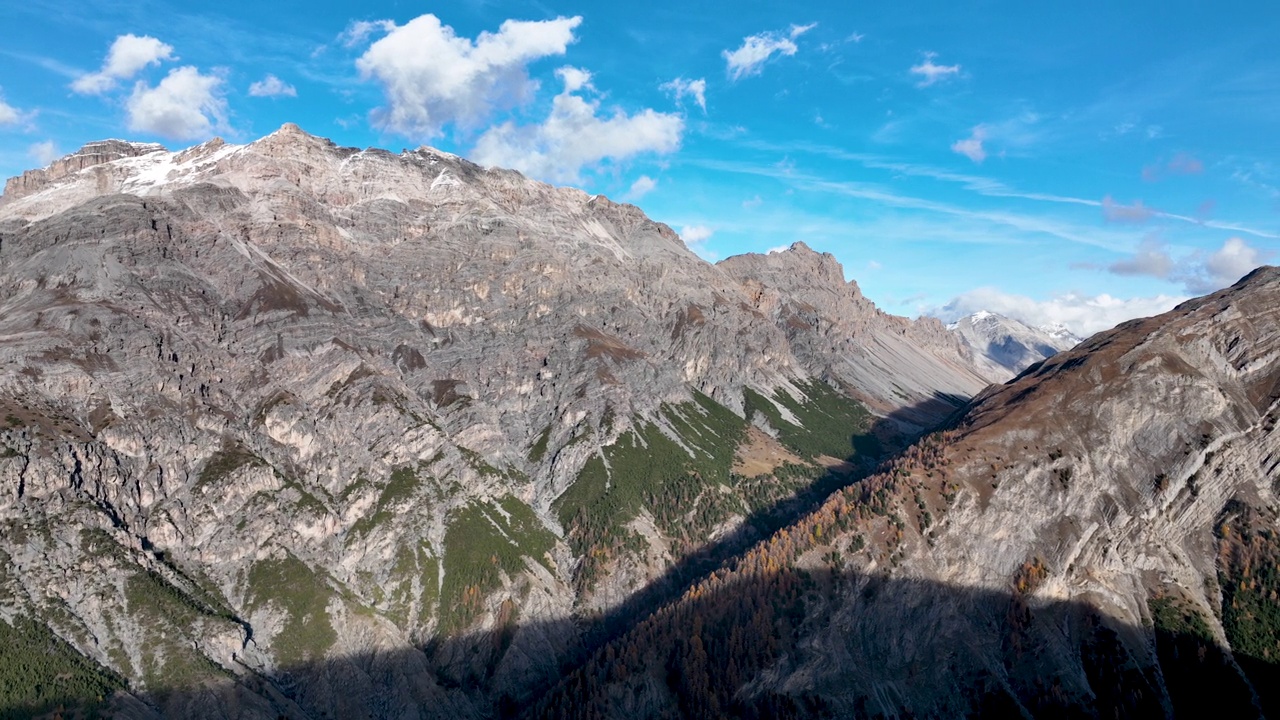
point(1026, 224)
point(1119, 213)
point(680, 87)
point(931, 73)
point(9, 115)
point(990, 187)
point(1181, 164)
point(750, 57)
point(358, 31)
point(971, 147)
point(44, 152)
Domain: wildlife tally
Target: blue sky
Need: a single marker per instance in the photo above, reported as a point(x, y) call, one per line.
point(1080, 163)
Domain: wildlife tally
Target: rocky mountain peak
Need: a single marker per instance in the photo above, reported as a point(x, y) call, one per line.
point(91, 155)
point(799, 267)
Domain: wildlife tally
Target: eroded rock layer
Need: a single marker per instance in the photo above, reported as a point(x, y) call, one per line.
point(290, 428)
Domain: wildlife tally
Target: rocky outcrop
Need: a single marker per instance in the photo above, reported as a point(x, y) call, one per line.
point(288, 413)
point(831, 326)
point(91, 155)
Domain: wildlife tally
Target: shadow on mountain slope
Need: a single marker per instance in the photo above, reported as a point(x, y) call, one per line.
point(886, 437)
point(465, 661)
point(472, 666)
point(797, 643)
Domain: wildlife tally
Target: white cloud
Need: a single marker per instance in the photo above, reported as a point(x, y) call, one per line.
point(873, 266)
point(752, 202)
point(971, 147)
point(1083, 315)
point(931, 73)
point(574, 79)
point(575, 136)
point(44, 152)
point(128, 56)
point(641, 187)
point(798, 30)
point(694, 234)
point(360, 30)
point(1197, 272)
point(1232, 261)
point(1151, 259)
point(272, 86)
point(749, 59)
point(9, 115)
point(1235, 260)
point(694, 88)
point(779, 249)
point(184, 106)
point(432, 77)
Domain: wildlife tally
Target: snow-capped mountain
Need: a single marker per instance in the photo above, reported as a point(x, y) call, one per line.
point(1003, 347)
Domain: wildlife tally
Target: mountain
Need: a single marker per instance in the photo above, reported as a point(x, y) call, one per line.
point(1003, 347)
point(1096, 538)
point(297, 429)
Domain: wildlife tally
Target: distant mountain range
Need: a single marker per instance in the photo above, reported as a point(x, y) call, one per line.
point(1002, 347)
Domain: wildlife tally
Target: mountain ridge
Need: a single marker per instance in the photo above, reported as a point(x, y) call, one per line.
point(288, 402)
point(1114, 504)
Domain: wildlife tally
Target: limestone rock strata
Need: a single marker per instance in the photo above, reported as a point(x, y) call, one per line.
point(288, 405)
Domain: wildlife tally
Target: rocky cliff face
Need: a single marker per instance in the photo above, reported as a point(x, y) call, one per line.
point(1096, 538)
point(321, 431)
point(830, 325)
point(1003, 347)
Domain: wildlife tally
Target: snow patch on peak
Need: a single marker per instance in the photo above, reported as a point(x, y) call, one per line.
point(1061, 331)
point(1002, 347)
point(445, 179)
point(435, 154)
point(153, 170)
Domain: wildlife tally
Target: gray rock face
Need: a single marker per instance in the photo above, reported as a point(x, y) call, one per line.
point(1003, 347)
point(289, 405)
point(95, 153)
point(1095, 538)
point(830, 326)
